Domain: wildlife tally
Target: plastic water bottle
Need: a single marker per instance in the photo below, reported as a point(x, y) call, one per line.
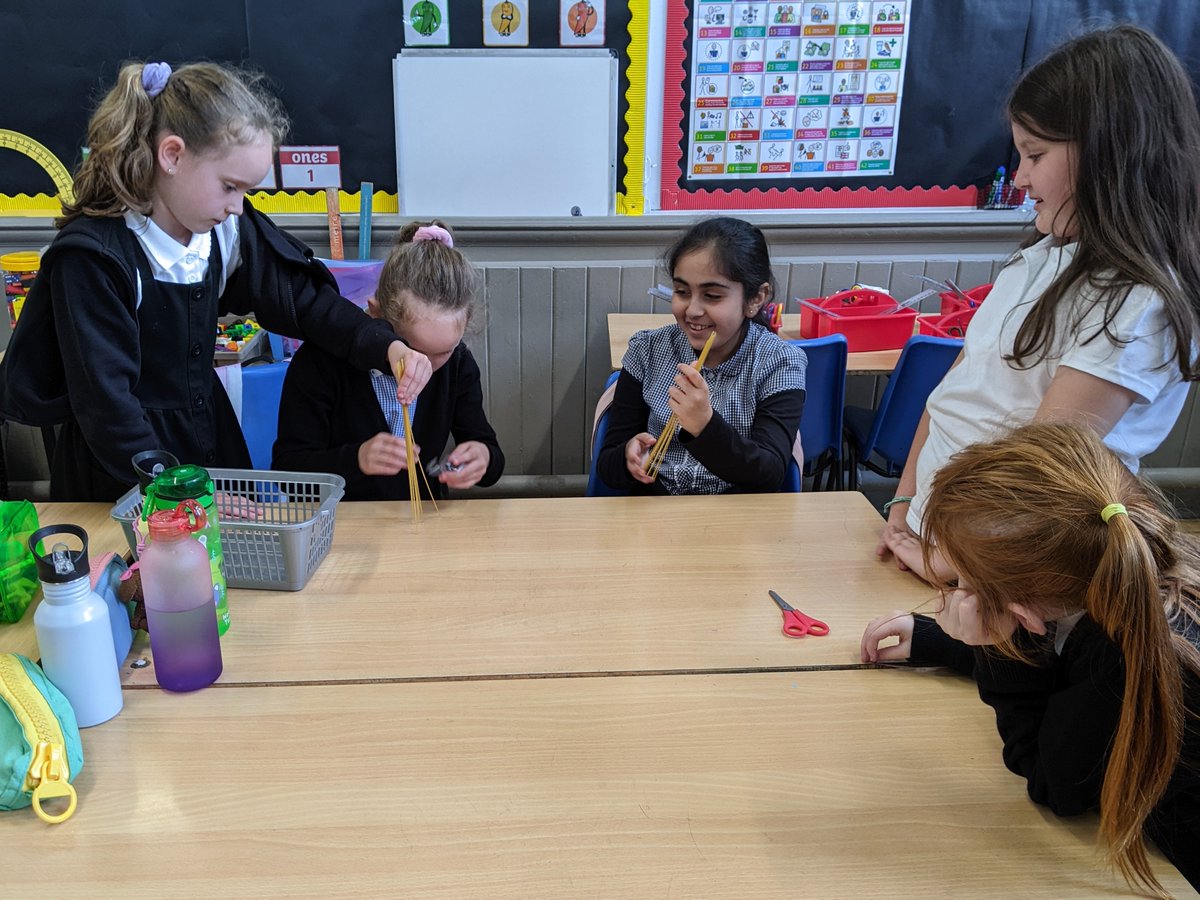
point(188, 482)
point(177, 585)
point(73, 630)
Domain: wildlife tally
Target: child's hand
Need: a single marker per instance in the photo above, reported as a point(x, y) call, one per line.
point(636, 451)
point(470, 459)
point(688, 399)
point(896, 525)
point(384, 454)
point(909, 553)
point(960, 618)
point(234, 506)
point(898, 624)
point(417, 369)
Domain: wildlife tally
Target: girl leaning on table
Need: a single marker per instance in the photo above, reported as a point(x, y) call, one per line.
point(116, 339)
point(333, 418)
point(1097, 321)
point(738, 415)
point(1076, 610)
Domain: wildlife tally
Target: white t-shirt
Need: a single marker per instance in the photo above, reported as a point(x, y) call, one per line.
point(985, 395)
point(175, 263)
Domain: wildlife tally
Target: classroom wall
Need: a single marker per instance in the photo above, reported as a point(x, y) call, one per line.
point(542, 338)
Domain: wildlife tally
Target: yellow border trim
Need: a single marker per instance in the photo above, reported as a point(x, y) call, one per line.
point(631, 202)
point(272, 202)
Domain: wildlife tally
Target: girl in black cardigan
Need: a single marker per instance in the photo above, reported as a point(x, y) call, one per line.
point(1077, 612)
point(333, 418)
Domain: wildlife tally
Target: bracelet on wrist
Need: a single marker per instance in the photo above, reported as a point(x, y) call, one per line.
point(887, 506)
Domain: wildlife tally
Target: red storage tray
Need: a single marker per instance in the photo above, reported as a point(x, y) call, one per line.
point(952, 303)
point(862, 316)
point(950, 325)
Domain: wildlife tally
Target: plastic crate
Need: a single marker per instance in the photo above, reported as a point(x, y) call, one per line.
point(279, 550)
point(952, 303)
point(951, 325)
point(868, 318)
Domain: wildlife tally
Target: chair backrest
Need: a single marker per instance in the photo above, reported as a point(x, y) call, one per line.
point(792, 483)
point(261, 389)
point(824, 395)
point(596, 486)
point(923, 363)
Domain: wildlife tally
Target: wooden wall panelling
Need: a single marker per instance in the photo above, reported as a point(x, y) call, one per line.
point(567, 371)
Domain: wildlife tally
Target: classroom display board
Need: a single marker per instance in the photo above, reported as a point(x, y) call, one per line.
point(795, 90)
point(545, 123)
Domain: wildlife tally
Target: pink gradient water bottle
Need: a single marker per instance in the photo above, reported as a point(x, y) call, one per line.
point(177, 584)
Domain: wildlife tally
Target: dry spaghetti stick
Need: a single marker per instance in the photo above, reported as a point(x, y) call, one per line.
point(414, 488)
point(668, 432)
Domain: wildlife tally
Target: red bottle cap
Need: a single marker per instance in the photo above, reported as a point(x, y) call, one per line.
point(173, 524)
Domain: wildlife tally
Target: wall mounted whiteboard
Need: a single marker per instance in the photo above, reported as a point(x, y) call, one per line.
point(505, 133)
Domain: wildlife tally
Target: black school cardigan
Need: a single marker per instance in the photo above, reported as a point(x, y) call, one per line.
point(1057, 719)
point(289, 291)
point(328, 410)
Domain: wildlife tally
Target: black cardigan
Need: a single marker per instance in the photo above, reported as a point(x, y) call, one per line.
point(1057, 719)
point(328, 410)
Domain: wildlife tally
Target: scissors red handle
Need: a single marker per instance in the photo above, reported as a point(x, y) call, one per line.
point(797, 624)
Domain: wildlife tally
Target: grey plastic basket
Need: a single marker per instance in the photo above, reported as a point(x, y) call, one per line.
point(281, 548)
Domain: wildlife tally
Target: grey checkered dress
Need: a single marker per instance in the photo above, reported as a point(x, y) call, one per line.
point(762, 366)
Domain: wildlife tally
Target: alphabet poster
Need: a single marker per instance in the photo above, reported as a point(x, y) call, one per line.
point(795, 90)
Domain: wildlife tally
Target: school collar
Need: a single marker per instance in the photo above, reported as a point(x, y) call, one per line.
point(163, 250)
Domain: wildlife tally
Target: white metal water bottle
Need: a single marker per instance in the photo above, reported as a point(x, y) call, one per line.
point(73, 631)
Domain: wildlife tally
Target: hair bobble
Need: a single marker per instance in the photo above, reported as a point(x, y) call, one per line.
point(433, 233)
point(154, 78)
point(1113, 509)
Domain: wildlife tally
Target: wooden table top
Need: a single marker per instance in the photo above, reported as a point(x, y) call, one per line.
point(581, 585)
point(822, 784)
point(621, 327)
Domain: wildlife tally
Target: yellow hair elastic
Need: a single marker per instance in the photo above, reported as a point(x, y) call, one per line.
point(1113, 509)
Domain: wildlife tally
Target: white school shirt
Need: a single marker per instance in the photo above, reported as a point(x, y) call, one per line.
point(984, 395)
point(173, 263)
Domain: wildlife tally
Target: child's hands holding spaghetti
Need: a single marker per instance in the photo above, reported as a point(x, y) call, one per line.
point(897, 624)
point(689, 400)
point(637, 450)
point(384, 454)
point(417, 369)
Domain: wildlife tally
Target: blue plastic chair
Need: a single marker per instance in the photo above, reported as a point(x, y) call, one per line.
point(881, 439)
point(596, 487)
point(824, 398)
point(261, 389)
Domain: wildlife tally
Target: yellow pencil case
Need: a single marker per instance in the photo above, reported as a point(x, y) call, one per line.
point(40, 749)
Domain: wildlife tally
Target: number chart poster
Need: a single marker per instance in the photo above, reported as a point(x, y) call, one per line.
point(795, 90)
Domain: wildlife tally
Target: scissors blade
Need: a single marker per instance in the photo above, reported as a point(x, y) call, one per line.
point(783, 604)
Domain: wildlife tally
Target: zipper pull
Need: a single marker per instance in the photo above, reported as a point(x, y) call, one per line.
point(48, 774)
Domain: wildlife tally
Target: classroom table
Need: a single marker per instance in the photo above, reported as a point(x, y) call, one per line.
point(621, 327)
point(822, 784)
point(568, 584)
point(573, 697)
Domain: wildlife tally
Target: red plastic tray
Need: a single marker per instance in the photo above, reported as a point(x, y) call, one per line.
point(950, 325)
point(952, 303)
point(862, 316)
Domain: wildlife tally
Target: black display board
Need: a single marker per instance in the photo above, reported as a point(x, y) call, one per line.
point(330, 63)
point(964, 58)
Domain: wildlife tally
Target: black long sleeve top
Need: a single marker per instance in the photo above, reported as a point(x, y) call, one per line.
point(1057, 718)
point(328, 410)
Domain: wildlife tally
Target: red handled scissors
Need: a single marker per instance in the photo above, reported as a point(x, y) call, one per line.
point(797, 624)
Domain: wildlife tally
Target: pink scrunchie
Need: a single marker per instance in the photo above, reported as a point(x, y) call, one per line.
point(433, 233)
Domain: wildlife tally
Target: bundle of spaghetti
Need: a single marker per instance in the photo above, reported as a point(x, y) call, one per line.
point(414, 463)
point(659, 450)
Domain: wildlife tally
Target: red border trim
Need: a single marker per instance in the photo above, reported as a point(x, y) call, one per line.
point(672, 198)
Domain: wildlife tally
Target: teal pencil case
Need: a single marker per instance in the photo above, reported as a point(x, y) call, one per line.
point(40, 749)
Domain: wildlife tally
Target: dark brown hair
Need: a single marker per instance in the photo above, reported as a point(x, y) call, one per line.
point(210, 106)
point(1126, 104)
point(739, 251)
point(1019, 518)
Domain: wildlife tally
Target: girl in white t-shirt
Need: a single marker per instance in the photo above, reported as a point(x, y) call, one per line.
point(1096, 319)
